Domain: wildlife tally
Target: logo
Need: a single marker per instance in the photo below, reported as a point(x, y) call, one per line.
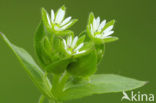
point(138, 96)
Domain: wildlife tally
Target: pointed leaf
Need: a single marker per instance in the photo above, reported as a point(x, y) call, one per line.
point(37, 75)
point(99, 84)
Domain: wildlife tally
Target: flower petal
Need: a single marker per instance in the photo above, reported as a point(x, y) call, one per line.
point(49, 22)
point(60, 15)
point(79, 52)
point(74, 42)
point(91, 29)
point(69, 40)
point(94, 25)
point(101, 26)
point(98, 22)
point(65, 45)
point(66, 21)
point(108, 33)
point(108, 29)
point(66, 26)
point(79, 47)
point(52, 16)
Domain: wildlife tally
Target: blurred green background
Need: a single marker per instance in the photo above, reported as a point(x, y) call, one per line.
point(134, 55)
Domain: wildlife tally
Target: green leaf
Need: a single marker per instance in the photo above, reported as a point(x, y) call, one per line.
point(39, 78)
point(41, 32)
point(83, 66)
point(99, 84)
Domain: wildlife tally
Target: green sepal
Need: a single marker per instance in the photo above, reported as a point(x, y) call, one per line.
point(63, 33)
point(40, 35)
point(83, 66)
point(110, 39)
point(59, 66)
point(91, 18)
point(45, 17)
point(81, 39)
point(90, 21)
point(100, 52)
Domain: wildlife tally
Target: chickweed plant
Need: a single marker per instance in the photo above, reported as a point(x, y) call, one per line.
point(68, 61)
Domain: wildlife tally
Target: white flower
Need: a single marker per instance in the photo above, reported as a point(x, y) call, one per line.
point(96, 29)
point(71, 47)
point(57, 21)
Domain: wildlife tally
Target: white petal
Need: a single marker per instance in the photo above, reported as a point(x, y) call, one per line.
point(52, 16)
point(60, 15)
point(79, 47)
point(94, 25)
point(91, 29)
point(49, 22)
point(77, 52)
point(65, 45)
point(108, 29)
point(103, 23)
point(108, 33)
point(65, 21)
point(98, 22)
point(66, 26)
point(69, 40)
point(74, 42)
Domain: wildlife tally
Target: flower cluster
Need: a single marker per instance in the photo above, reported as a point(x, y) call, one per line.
point(98, 32)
